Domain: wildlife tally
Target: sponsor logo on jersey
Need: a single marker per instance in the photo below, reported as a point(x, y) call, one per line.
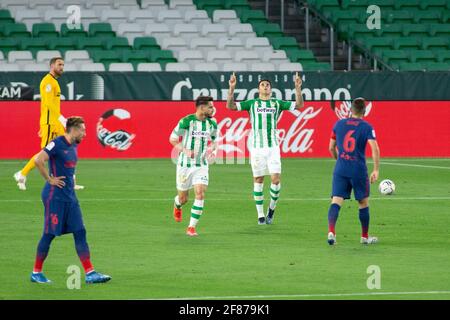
point(265, 110)
point(200, 134)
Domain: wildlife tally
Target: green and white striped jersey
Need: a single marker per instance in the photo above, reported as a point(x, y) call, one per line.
point(195, 136)
point(264, 116)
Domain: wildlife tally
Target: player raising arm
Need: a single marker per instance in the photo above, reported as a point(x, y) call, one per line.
point(265, 151)
point(348, 145)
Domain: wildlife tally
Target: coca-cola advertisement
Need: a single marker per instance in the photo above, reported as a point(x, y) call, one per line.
point(140, 129)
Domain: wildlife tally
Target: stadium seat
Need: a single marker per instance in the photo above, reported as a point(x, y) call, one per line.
point(113, 17)
point(406, 4)
point(35, 67)
point(190, 56)
point(438, 30)
point(136, 56)
point(395, 17)
point(411, 67)
point(78, 32)
point(415, 30)
point(63, 44)
point(185, 30)
point(177, 67)
point(427, 17)
point(214, 30)
point(125, 5)
point(174, 43)
point(234, 66)
point(203, 44)
point(290, 66)
point(9, 44)
point(157, 30)
point(141, 17)
point(218, 56)
point(28, 17)
point(198, 17)
point(182, 5)
point(44, 30)
point(241, 30)
point(409, 43)
point(144, 43)
point(169, 17)
point(206, 67)
point(92, 67)
point(121, 67)
point(20, 57)
point(154, 5)
point(297, 55)
point(247, 56)
point(443, 56)
point(148, 67)
point(317, 66)
point(435, 43)
point(77, 56)
point(131, 31)
point(267, 30)
point(230, 44)
point(5, 17)
point(45, 56)
point(226, 17)
point(105, 56)
point(421, 56)
point(161, 56)
point(275, 56)
point(262, 67)
point(390, 30)
point(394, 56)
point(103, 30)
point(16, 30)
point(376, 44)
point(34, 44)
point(9, 67)
point(88, 44)
point(14, 6)
point(283, 43)
point(260, 44)
point(71, 67)
point(252, 16)
point(236, 4)
point(118, 43)
point(438, 66)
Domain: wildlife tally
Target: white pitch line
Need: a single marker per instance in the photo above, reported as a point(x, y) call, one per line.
point(240, 199)
point(364, 294)
point(413, 165)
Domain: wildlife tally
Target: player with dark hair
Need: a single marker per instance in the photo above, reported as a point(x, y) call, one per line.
point(348, 145)
point(195, 130)
point(52, 122)
point(265, 156)
point(62, 211)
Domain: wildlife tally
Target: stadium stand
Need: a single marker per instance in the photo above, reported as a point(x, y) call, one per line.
point(133, 35)
point(415, 35)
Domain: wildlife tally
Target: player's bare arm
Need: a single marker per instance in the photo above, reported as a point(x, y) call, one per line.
point(332, 148)
point(299, 103)
point(179, 146)
point(230, 100)
point(40, 160)
point(376, 160)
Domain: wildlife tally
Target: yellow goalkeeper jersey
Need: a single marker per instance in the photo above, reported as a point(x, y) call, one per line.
point(50, 100)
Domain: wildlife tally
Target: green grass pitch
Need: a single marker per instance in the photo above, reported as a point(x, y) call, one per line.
point(127, 208)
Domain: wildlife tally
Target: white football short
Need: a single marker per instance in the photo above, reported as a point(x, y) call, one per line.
point(265, 161)
point(188, 177)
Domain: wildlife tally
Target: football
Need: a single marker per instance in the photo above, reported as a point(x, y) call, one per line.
point(386, 187)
